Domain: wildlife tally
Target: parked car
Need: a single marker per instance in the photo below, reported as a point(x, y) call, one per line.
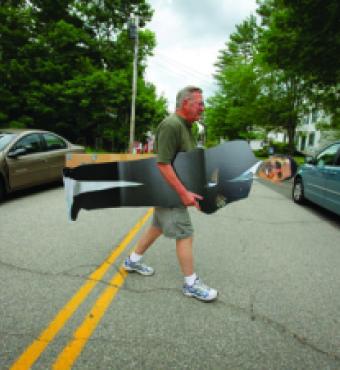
point(31, 157)
point(318, 179)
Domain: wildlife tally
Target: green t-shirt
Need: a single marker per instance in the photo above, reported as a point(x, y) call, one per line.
point(173, 135)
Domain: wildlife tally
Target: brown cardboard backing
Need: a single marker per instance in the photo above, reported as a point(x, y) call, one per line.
point(77, 159)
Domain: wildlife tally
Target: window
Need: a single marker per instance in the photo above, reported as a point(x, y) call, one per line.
point(5, 139)
point(31, 143)
point(337, 162)
point(311, 139)
point(315, 115)
point(327, 157)
point(54, 142)
point(303, 142)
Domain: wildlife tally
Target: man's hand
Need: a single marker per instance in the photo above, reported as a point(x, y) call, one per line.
point(190, 199)
point(187, 197)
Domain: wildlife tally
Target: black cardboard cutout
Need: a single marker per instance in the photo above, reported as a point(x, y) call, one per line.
point(218, 174)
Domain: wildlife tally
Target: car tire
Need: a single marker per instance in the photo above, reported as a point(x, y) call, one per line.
point(298, 194)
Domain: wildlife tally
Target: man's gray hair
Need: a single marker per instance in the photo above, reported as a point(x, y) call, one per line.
point(185, 93)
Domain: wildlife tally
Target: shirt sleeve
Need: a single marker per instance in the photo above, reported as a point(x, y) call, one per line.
point(167, 144)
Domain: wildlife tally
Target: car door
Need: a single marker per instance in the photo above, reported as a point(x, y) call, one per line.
point(313, 182)
point(318, 177)
point(55, 151)
point(332, 182)
point(29, 167)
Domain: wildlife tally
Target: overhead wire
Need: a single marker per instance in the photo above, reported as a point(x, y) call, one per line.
point(175, 68)
point(182, 73)
point(183, 66)
point(178, 72)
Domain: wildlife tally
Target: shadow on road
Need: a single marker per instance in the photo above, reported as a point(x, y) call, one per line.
point(31, 191)
point(285, 189)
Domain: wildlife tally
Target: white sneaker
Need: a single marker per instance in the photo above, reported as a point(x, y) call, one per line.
point(200, 291)
point(138, 267)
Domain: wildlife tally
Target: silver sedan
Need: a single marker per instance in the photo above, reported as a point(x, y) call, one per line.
point(31, 157)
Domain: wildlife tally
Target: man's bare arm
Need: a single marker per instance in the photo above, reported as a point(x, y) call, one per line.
point(187, 197)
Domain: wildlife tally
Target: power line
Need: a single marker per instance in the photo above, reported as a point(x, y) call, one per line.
point(169, 68)
point(183, 66)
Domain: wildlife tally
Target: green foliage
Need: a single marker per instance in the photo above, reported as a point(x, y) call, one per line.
point(276, 147)
point(242, 45)
point(268, 73)
point(251, 93)
point(303, 38)
point(211, 142)
point(232, 111)
point(66, 66)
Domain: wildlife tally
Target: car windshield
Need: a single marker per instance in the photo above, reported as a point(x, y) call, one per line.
point(5, 139)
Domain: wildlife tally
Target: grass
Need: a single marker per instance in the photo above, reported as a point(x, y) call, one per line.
point(89, 150)
point(299, 160)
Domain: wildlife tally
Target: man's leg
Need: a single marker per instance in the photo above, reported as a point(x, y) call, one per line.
point(133, 263)
point(151, 234)
point(193, 286)
point(185, 255)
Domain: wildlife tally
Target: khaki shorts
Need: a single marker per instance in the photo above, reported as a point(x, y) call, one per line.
point(175, 223)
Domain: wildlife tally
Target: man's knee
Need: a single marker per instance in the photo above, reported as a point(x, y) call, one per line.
point(174, 222)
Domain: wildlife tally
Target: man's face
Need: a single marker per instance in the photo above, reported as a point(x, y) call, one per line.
point(193, 107)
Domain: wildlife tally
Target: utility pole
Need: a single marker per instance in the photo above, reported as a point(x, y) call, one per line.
point(133, 32)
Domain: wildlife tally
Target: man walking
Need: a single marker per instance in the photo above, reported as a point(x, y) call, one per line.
point(174, 135)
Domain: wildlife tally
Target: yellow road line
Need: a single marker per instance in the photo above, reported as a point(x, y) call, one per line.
point(33, 352)
point(72, 350)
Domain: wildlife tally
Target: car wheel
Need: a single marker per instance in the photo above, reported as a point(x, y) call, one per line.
point(298, 191)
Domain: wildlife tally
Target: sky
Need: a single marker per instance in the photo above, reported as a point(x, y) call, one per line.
point(189, 36)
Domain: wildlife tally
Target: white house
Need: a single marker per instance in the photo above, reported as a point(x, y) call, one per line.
point(309, 138)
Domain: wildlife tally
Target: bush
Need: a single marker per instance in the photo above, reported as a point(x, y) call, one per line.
point(261, 153)
point(277, 148)
point(280, 148)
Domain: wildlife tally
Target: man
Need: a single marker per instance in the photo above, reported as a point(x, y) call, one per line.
point(174, 135)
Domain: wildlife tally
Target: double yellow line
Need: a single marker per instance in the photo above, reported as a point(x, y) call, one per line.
point(73, 349)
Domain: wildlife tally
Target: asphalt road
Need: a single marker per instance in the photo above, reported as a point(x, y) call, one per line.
point(64, 303)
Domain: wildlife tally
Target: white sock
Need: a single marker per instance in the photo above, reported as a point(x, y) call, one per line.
point(134, 257)
point(189, 280)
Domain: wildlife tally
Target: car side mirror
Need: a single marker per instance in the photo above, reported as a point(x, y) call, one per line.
point(16, 153)
point(310, 160)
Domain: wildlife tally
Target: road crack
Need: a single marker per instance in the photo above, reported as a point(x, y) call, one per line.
point(281, 328)
point(249, 312)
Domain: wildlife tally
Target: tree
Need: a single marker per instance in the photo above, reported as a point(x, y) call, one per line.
point(66, 66)
point(281, 103)
point(303, 38)
point(230, 112)
point(252, 94)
